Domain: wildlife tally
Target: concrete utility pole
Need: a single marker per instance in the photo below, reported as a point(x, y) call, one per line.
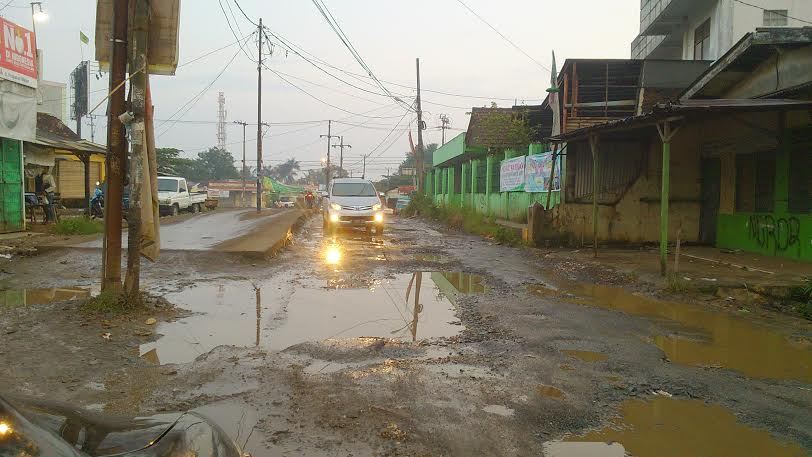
point(242, 174)
point(259, 118)
point(364, 172)
point(341, 156)
point(329, 136)
point(420, 127)
point(138, 91)
point(116, 151)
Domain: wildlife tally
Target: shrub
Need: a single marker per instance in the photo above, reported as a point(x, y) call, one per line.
point(78, 226)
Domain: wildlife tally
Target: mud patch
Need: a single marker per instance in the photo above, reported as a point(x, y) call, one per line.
point(240, 422)
point(668, 427)
point(499, 410)
point(563, 449)
point(586, 356)
point(550, 391)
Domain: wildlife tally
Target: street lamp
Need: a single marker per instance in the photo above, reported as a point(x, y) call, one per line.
point(38, 14)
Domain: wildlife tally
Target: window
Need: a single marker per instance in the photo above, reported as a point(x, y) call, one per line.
point(702, 41)
point(353, 189)
point(755, 182)
point(800, 180)
point(775, 18)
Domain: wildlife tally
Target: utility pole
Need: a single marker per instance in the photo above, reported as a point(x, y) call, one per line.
point(92, 128)
point(242, 174)
point(116, 151)
point(138, 92)
point(445, 124)
point(420, 127)
point(364, 172)
point(341, 157)
point(259, 118)
point(329, 136)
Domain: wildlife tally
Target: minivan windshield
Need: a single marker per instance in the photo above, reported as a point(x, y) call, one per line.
point(167, 185)
point(354, 189)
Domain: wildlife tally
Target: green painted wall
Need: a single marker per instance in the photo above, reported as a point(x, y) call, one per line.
point(452, 149)
point(788, 235)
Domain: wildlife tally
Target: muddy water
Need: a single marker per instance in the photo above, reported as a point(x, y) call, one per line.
point(23, 297)
point(586, 356)
point(289, 310)
point(667, 427)
point(710, 338)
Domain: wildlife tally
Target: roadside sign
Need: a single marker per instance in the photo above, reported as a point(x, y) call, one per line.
point(18, 50)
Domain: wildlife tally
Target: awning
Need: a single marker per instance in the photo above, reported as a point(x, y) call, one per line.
point(36, 155)
point(69, 145)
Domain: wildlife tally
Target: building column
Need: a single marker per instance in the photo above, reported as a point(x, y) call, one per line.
point(667, 132)
point(463, 187)
point(429, 180)
point(436, 177)
point(782, 167)
point(490, 160)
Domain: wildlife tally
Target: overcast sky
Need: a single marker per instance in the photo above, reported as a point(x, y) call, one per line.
point(459, 54)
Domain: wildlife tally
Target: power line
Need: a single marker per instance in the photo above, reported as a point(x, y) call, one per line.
point(243, 13)
point(193, 101)
point(225, 15)
point(385, 138)
point(333, 23)
point(778, 12)
point(503, 36)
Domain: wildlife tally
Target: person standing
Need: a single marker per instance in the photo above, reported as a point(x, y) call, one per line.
point(49, 188)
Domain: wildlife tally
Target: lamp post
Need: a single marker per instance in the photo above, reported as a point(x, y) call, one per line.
point(37, 15)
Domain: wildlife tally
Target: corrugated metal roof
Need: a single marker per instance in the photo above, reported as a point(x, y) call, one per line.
point(687, 107)
point(53, 133)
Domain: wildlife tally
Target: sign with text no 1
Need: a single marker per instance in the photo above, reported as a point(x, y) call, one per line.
point(511, 175)
point(18, 51)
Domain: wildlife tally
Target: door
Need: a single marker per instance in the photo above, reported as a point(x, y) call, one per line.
point(11, 186)
point(711, 186)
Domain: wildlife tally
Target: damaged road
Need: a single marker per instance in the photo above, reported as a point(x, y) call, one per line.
point(421, 342)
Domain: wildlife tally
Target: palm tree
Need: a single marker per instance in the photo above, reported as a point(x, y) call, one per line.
point(286, 171)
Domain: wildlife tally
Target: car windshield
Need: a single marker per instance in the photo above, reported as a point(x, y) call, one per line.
point(167, 185)
point(354, 189)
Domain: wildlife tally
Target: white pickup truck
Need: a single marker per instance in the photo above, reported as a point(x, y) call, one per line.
point(174, 196)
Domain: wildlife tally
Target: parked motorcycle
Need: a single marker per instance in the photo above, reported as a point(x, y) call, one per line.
point(97, 204)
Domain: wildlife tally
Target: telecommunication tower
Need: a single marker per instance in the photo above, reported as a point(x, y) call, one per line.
point(221, 121)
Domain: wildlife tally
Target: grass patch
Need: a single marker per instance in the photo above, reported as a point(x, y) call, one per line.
point(78, 226)
point(803, 297)
point(461, 218)
point(110, 302)
point(676, 284)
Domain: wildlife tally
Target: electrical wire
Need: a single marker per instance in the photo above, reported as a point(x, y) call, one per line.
point(774, 12)
point(225, 15)
point(333, 23)
point(193, 101)
point(503, 36)
point(243, 13)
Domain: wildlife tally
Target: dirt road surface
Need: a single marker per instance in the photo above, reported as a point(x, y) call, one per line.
point(421, 342)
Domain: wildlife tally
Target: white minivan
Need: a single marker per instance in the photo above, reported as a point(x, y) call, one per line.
point(353, 202)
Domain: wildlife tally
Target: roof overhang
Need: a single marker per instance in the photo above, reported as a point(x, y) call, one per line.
point(745, 57)
point(684, 110)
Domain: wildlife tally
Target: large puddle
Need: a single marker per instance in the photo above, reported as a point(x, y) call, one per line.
point(708, 338)
point(667, 427)
point(23, 297)
point(287, 310)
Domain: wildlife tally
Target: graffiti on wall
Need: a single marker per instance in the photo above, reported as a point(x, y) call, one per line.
point(779, 234)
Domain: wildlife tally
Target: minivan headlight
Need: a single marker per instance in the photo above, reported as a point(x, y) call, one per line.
point(335, 206)
point(376, 207)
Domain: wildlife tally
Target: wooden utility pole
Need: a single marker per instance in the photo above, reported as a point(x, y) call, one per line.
point(341, 146)
point(116, 151)
point(259, 118)
point(445, 124)
point(329, 136)
point(138, 92)
point(420, 126)
point(242, 174)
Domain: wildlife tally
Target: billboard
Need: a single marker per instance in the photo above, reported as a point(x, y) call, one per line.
point(79, 84)
point(511, 175)
point(537, 173)
point(18, 50)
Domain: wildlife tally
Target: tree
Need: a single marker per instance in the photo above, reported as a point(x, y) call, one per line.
point(215, 164)
point(286, 171)
point(428, 157)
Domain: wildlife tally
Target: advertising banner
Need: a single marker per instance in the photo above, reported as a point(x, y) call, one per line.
point(537, 173)
point(511, 175)
point(18, 48)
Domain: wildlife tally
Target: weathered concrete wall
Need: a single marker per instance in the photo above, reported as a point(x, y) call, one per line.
point(636, 216)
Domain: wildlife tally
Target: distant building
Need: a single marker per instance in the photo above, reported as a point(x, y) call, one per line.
point(707, 29)
point(52, 100)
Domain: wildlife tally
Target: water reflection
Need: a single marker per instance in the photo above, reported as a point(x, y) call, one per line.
point(667, 427)
point(289, 310)
point(710, 338)
point(23, 297)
